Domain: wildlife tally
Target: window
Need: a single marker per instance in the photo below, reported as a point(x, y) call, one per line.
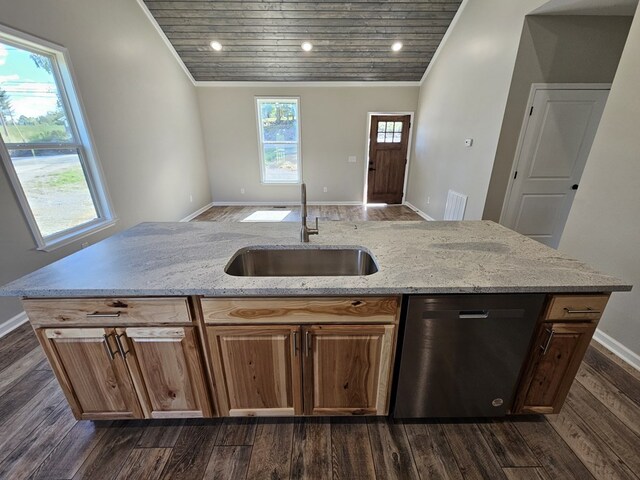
point(279, 139)
point(389, 132)
point(44, 143)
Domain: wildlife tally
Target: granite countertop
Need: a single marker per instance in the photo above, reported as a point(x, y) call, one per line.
point(413, 257)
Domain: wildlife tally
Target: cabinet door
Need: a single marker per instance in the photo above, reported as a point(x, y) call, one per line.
point(347, 369)
point(166, 367)
point(558, 351)
point(91, 372)
point(257, 369)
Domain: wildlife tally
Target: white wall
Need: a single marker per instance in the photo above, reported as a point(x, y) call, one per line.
point(464, 96)
point(553, 49)
point(334, 126)
point(603, 228)
point(141, 109)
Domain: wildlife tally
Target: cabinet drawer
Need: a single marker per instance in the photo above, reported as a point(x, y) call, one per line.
point(301, 310)
point(576, 307)
point(108, 311)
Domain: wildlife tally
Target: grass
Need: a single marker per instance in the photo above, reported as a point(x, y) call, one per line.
point(34, 133)
point(67, 179)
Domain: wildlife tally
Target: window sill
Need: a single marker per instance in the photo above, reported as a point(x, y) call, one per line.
point(75, 235)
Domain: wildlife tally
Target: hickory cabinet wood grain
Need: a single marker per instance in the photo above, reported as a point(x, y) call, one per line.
point(94, 379)
point(558, 347)
point(257, 369)
point(347, 369)
point(146, 370)
point(304, 362)
point(166, 369)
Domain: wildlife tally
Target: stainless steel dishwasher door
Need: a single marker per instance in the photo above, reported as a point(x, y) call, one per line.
point(462, 354)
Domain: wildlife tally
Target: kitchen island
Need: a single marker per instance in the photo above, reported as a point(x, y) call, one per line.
point(148, 324)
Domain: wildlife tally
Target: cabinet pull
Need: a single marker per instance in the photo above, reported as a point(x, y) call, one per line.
point(107, 347)
point(545, 347)
point(296, 347)
point(307, 344)
point(103, 315)
point(588, 310)
point(123, 354)
point(470, 314)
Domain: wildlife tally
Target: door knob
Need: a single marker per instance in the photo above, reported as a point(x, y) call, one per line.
point(574, 187)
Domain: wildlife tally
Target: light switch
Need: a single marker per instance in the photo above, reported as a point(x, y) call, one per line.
point(468, 142)
point(352, 159)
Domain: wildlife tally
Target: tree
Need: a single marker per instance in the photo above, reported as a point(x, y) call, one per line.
point(6, 111)
point(41, 62)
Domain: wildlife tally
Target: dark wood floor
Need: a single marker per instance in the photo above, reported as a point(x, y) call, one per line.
point(597, 435)
point(350, 213)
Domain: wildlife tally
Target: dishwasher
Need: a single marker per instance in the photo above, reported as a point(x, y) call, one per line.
point(462, 354)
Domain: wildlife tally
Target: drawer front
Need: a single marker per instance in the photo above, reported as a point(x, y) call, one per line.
point(576, 307)
point(108, 311)
point(341, 310)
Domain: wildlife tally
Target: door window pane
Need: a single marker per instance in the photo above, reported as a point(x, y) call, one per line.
point(55, 186)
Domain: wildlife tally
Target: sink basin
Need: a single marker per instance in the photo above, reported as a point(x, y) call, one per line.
point(301, 262)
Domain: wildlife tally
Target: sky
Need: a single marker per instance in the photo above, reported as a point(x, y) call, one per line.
point(32, 91)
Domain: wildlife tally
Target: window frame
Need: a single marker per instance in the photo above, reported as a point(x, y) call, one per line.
point(82, 142)
point(261, 142)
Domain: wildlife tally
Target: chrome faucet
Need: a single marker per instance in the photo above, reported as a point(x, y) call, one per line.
point(306, 231)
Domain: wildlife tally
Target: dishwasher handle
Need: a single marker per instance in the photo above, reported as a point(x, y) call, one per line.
point(470, 314)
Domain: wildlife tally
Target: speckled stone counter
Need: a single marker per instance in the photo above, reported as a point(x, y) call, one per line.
point(167, 259)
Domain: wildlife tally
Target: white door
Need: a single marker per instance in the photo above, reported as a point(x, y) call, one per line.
point(556, 143)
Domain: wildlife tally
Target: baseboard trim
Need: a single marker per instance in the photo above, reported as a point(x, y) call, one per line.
point(190, 217)
point(279, 204)
point(13, 323)
point(419, 212)
point(618, 349)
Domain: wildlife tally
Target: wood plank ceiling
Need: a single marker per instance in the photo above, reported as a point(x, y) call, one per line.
point(261, 38)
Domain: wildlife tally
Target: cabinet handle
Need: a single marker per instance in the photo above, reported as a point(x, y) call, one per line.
point(123, 354)
point(588, 310)
point(107, 347)
point(473, 314)
point(307, 344)
point(296, 347)
point(545, 347)
point(103, 315)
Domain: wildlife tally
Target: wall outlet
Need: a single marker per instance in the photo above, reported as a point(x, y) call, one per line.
point(428, 200)
point(242, 191)
point(352, 159)
point(325, 189)
point(468, 142)
point(191, 198)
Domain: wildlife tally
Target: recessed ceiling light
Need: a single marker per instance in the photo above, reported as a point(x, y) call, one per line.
point(217, 46)
point(307, 46)
point(396, 47)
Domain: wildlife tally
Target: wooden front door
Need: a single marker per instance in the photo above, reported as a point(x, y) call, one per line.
point(388, 145)
point(167, 370)
point(347, 369)
point(257, 369)
point(87, 360)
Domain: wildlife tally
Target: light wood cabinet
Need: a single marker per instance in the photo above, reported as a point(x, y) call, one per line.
point(121, 358)
point(347, 369)
point(559, 349)
point(257, 369)
point(562, 338)
point(93, 376)
point(167, 371)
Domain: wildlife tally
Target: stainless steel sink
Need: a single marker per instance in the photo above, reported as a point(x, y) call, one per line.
point(301, 262)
